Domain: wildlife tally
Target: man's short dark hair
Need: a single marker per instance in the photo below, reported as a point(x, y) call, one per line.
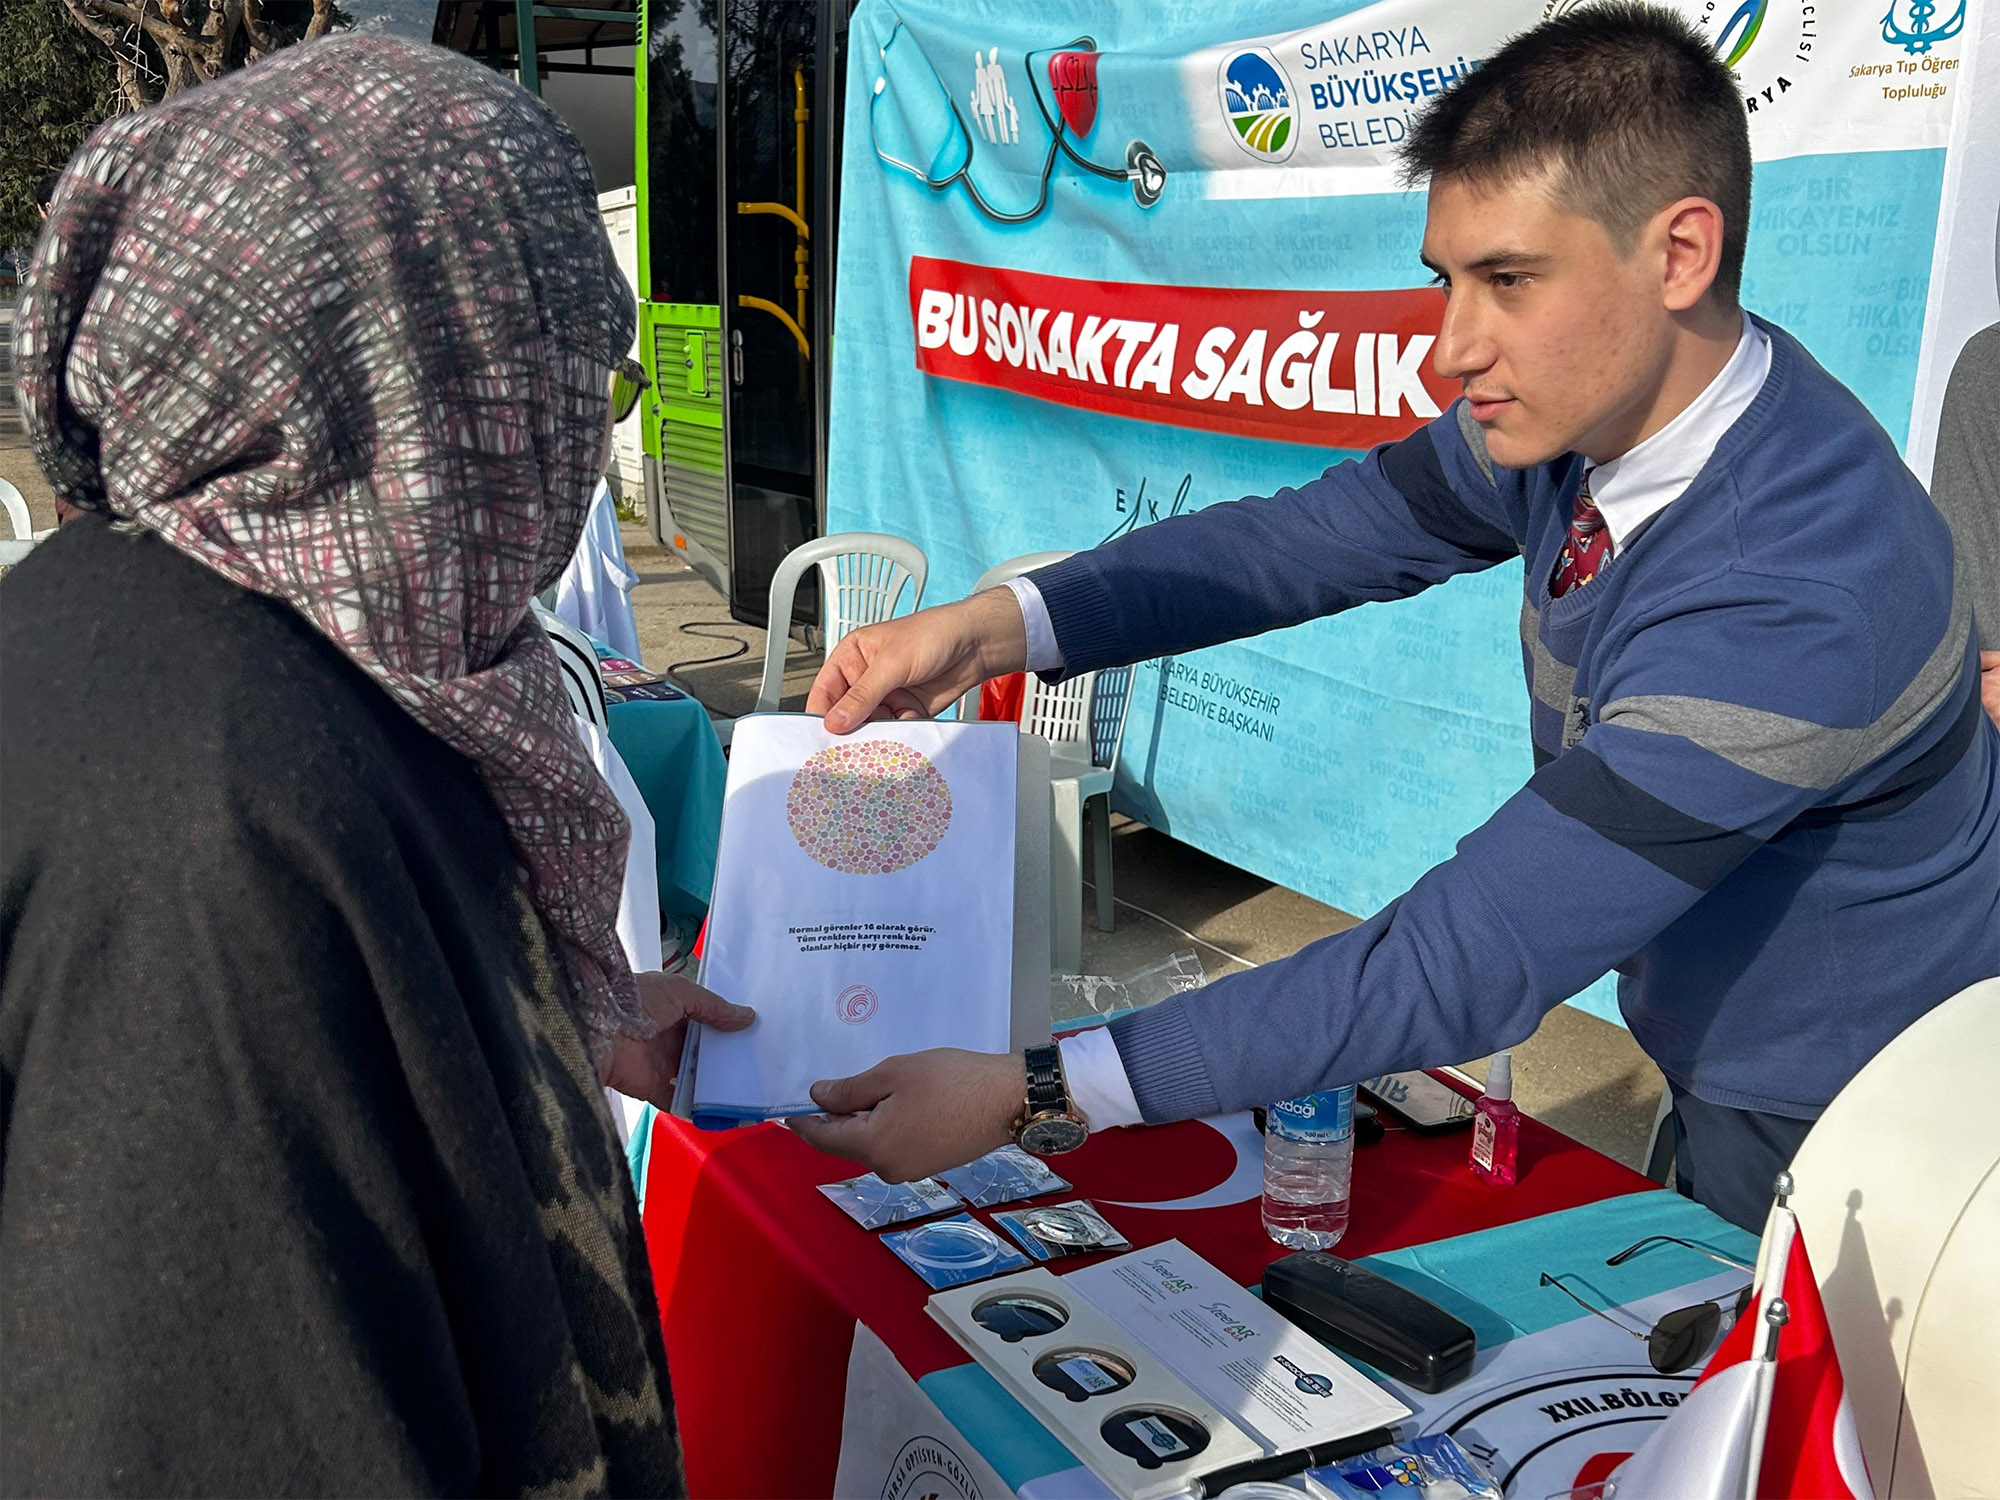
point(45, 190)
point(1626, 103)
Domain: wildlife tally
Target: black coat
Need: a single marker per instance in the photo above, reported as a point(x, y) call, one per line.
point(306, 1185)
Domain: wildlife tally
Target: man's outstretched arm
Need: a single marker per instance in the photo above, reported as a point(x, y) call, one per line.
point(1408, 515)
point(1605, 847)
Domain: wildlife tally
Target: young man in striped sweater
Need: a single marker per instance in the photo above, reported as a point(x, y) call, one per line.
point(1764, 791)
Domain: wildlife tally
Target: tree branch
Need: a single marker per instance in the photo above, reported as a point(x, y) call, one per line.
point(163, 32)
point(103, 33)
point(251, 12)
point(129, 81)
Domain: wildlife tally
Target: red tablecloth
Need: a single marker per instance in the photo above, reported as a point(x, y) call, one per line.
point(761, 1279)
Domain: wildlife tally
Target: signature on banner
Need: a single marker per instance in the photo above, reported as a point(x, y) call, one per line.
point(1139, 510)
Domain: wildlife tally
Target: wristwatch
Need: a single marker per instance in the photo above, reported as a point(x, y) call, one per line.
point(1048, 1124)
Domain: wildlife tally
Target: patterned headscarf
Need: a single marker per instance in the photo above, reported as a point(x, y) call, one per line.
point(341, 326)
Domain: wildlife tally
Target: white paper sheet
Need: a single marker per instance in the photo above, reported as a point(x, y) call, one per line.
point(1278, 1383)
point(895, 1442)
point(864, 904)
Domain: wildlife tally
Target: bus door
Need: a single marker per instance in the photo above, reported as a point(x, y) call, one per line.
point(740, 134)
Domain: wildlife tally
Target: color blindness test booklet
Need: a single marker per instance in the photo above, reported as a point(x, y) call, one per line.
point(867, 903)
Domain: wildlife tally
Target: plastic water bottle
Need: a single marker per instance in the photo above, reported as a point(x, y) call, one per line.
point(1308, 1167)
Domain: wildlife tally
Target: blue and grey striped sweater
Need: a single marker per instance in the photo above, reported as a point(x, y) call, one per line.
point(1764, 791)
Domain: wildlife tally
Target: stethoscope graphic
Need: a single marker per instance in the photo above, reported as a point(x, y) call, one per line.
point(1142, 168)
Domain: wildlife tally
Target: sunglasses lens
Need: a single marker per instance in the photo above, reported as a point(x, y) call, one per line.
point(624, 396)
point(1682, 1337)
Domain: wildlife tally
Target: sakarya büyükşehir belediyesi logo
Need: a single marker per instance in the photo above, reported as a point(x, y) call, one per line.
point(1257, 97)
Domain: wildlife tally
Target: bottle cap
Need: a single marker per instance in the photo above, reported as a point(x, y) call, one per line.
point(1500, 1076)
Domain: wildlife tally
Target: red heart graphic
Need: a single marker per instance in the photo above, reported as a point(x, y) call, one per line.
point(1073, 76)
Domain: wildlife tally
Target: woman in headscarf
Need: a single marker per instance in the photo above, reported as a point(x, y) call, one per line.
point(307, 924)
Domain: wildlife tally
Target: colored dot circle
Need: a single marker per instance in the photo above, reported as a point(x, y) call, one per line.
point(870, 807)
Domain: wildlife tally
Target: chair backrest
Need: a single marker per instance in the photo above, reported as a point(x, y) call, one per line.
point(1110, 701)
point(862, 575)
point(583, 679)
point(1014, 567)
point(23, 541)
point(992, 578)
point(1087, 710)
point(1059, 713)
point(17, 512)
point(1897, 1192)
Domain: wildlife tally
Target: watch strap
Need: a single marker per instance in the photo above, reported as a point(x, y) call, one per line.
point(1048, 1091)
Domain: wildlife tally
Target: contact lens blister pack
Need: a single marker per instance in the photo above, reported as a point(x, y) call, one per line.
point(1057, 1230)
point(951, 1252)
point(874, 1204)
point(1113, 1404)
point(1424, 1468)
point(1004, 1176)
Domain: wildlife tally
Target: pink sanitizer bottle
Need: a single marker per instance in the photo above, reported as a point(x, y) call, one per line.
point(1496, 1125)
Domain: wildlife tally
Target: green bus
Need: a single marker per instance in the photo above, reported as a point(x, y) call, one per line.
point(737, 167)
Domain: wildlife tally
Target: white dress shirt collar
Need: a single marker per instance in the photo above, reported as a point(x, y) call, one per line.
point(1637, 485)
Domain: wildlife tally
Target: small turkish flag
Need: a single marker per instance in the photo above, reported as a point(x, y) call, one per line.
point(1706, 1449)
point(1073, 76)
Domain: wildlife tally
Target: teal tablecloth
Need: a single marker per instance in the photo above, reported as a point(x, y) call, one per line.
point(672, 752)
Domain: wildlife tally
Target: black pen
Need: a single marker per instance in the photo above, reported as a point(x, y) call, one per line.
point(1285, 1465)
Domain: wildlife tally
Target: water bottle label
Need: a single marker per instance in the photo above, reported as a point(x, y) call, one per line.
point(1320, 1119)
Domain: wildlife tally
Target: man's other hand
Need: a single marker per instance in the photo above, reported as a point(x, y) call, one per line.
point(1989, 684)
point(916, 667)
point(645, 1068)
point(919, 1113)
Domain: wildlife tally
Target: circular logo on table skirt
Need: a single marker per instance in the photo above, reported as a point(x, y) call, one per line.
point(856, 1004)
point(868, 807)
point(926, 1469)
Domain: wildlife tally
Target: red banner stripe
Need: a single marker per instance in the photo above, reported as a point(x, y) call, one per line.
point(1332, 369)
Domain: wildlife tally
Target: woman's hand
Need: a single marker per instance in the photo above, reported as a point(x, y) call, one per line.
point(646, 1068)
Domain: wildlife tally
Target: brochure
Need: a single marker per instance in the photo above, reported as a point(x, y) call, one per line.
point(1277, 1382)
point(864, 904)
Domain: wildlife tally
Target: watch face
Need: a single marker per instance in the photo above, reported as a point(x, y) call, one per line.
point(1052, 1135)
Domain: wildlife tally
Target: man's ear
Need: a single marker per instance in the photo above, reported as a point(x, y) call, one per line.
point(1689, 233)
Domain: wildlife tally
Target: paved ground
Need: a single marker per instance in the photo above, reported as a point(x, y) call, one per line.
point(17, 464)
point(1580, 1074)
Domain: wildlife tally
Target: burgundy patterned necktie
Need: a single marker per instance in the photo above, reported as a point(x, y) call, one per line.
point(1586, 546)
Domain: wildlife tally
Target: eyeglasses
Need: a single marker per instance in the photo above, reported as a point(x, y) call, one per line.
point(627, 382)
point(1680, 1337)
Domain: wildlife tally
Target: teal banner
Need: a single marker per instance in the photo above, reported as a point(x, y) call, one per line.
point(1103, 264)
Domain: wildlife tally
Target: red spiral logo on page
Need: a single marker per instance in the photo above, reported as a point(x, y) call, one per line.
point(856, 1004)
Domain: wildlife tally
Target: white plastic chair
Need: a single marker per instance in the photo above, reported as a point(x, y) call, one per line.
point(583, 679)
point(1083, 719)
point(862, 576)
point(23, 525)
